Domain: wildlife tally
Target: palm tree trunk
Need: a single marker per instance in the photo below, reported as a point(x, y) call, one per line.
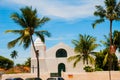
point(37, 57)
point(87, 61)
point(87, 58)
point(13, 66)
point(111, 41)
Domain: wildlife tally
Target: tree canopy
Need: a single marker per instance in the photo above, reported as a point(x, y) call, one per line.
point(5, 63)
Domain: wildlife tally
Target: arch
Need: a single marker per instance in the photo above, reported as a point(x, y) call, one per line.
point(61, 67)
point(61, 53)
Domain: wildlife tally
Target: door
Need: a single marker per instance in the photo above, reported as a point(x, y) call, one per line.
point(61, 67)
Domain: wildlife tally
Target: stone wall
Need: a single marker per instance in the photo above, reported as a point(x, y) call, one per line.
point(24, 76)
point(98, 75)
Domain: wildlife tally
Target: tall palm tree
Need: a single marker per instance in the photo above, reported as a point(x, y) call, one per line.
point(111, 57)
point(83, 47)
point(116, 42)
point(111, 12)
point(14, 55)
point(29, 22)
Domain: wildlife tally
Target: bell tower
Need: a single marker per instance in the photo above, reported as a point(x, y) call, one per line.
point(40, 47)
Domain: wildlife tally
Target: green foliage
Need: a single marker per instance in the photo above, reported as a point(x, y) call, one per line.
point(107, 56)
point(88, 69)
point(29, 22)
point(110, 11)
point(75, 58)
point(19, 65)
point(115, 63)
point(116, 39)
point(98, 69)
point(103, 60)
point(14, 54)
point(99, 59)
point(83, 48)
point(5, 63)
point(28, 62)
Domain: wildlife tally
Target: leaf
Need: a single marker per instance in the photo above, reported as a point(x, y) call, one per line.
point(105, 59)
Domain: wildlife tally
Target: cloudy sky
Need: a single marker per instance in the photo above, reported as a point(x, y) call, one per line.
point(69, 18)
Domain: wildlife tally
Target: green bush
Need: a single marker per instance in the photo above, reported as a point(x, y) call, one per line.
point(98, 69)
point(88, 69)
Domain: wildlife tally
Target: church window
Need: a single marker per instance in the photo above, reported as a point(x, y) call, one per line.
point(61, 53)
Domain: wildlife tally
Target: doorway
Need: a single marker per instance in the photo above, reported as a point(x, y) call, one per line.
point(61, 67)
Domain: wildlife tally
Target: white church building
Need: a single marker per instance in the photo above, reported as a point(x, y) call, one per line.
point(54, 59)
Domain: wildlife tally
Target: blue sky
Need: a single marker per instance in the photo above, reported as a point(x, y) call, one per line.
point(69, 18)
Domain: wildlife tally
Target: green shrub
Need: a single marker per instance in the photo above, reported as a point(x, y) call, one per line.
point(88, 69)
point(98, 69)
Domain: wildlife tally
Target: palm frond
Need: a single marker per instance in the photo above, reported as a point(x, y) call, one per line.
point(14, 31)
point(41, 34)
point(97, 22)
point(12, 43)
point(105, 59)
point(29, 16)
point(27, 42)
point(44, 32)
point(91, 59)
point(100, 12)
point(76, 62)
point(18, 19)
point(75, 58)
point(109, 3)
point(75, 42)
point(117, 9)
point(71, 58)
point(43, 20)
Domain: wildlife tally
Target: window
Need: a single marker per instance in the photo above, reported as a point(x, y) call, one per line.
point(61, 53)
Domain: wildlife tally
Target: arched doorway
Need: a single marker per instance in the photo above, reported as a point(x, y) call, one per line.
point(61, 67)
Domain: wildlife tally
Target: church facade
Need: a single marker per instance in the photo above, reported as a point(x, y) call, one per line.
point(54, 59)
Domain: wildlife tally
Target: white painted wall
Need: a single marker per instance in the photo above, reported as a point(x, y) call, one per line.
point(49, 62)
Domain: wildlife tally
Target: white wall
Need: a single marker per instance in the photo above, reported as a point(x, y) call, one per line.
point(49, 63)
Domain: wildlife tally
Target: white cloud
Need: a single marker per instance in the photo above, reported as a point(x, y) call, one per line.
point(55, 39)
point(62, 9)
point(59, 38)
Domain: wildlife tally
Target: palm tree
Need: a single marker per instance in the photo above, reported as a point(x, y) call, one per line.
point(116, 42)
point(29, 22)
point(14, 54)
point(111, 12)
point(111, 57)
point(83, 47)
